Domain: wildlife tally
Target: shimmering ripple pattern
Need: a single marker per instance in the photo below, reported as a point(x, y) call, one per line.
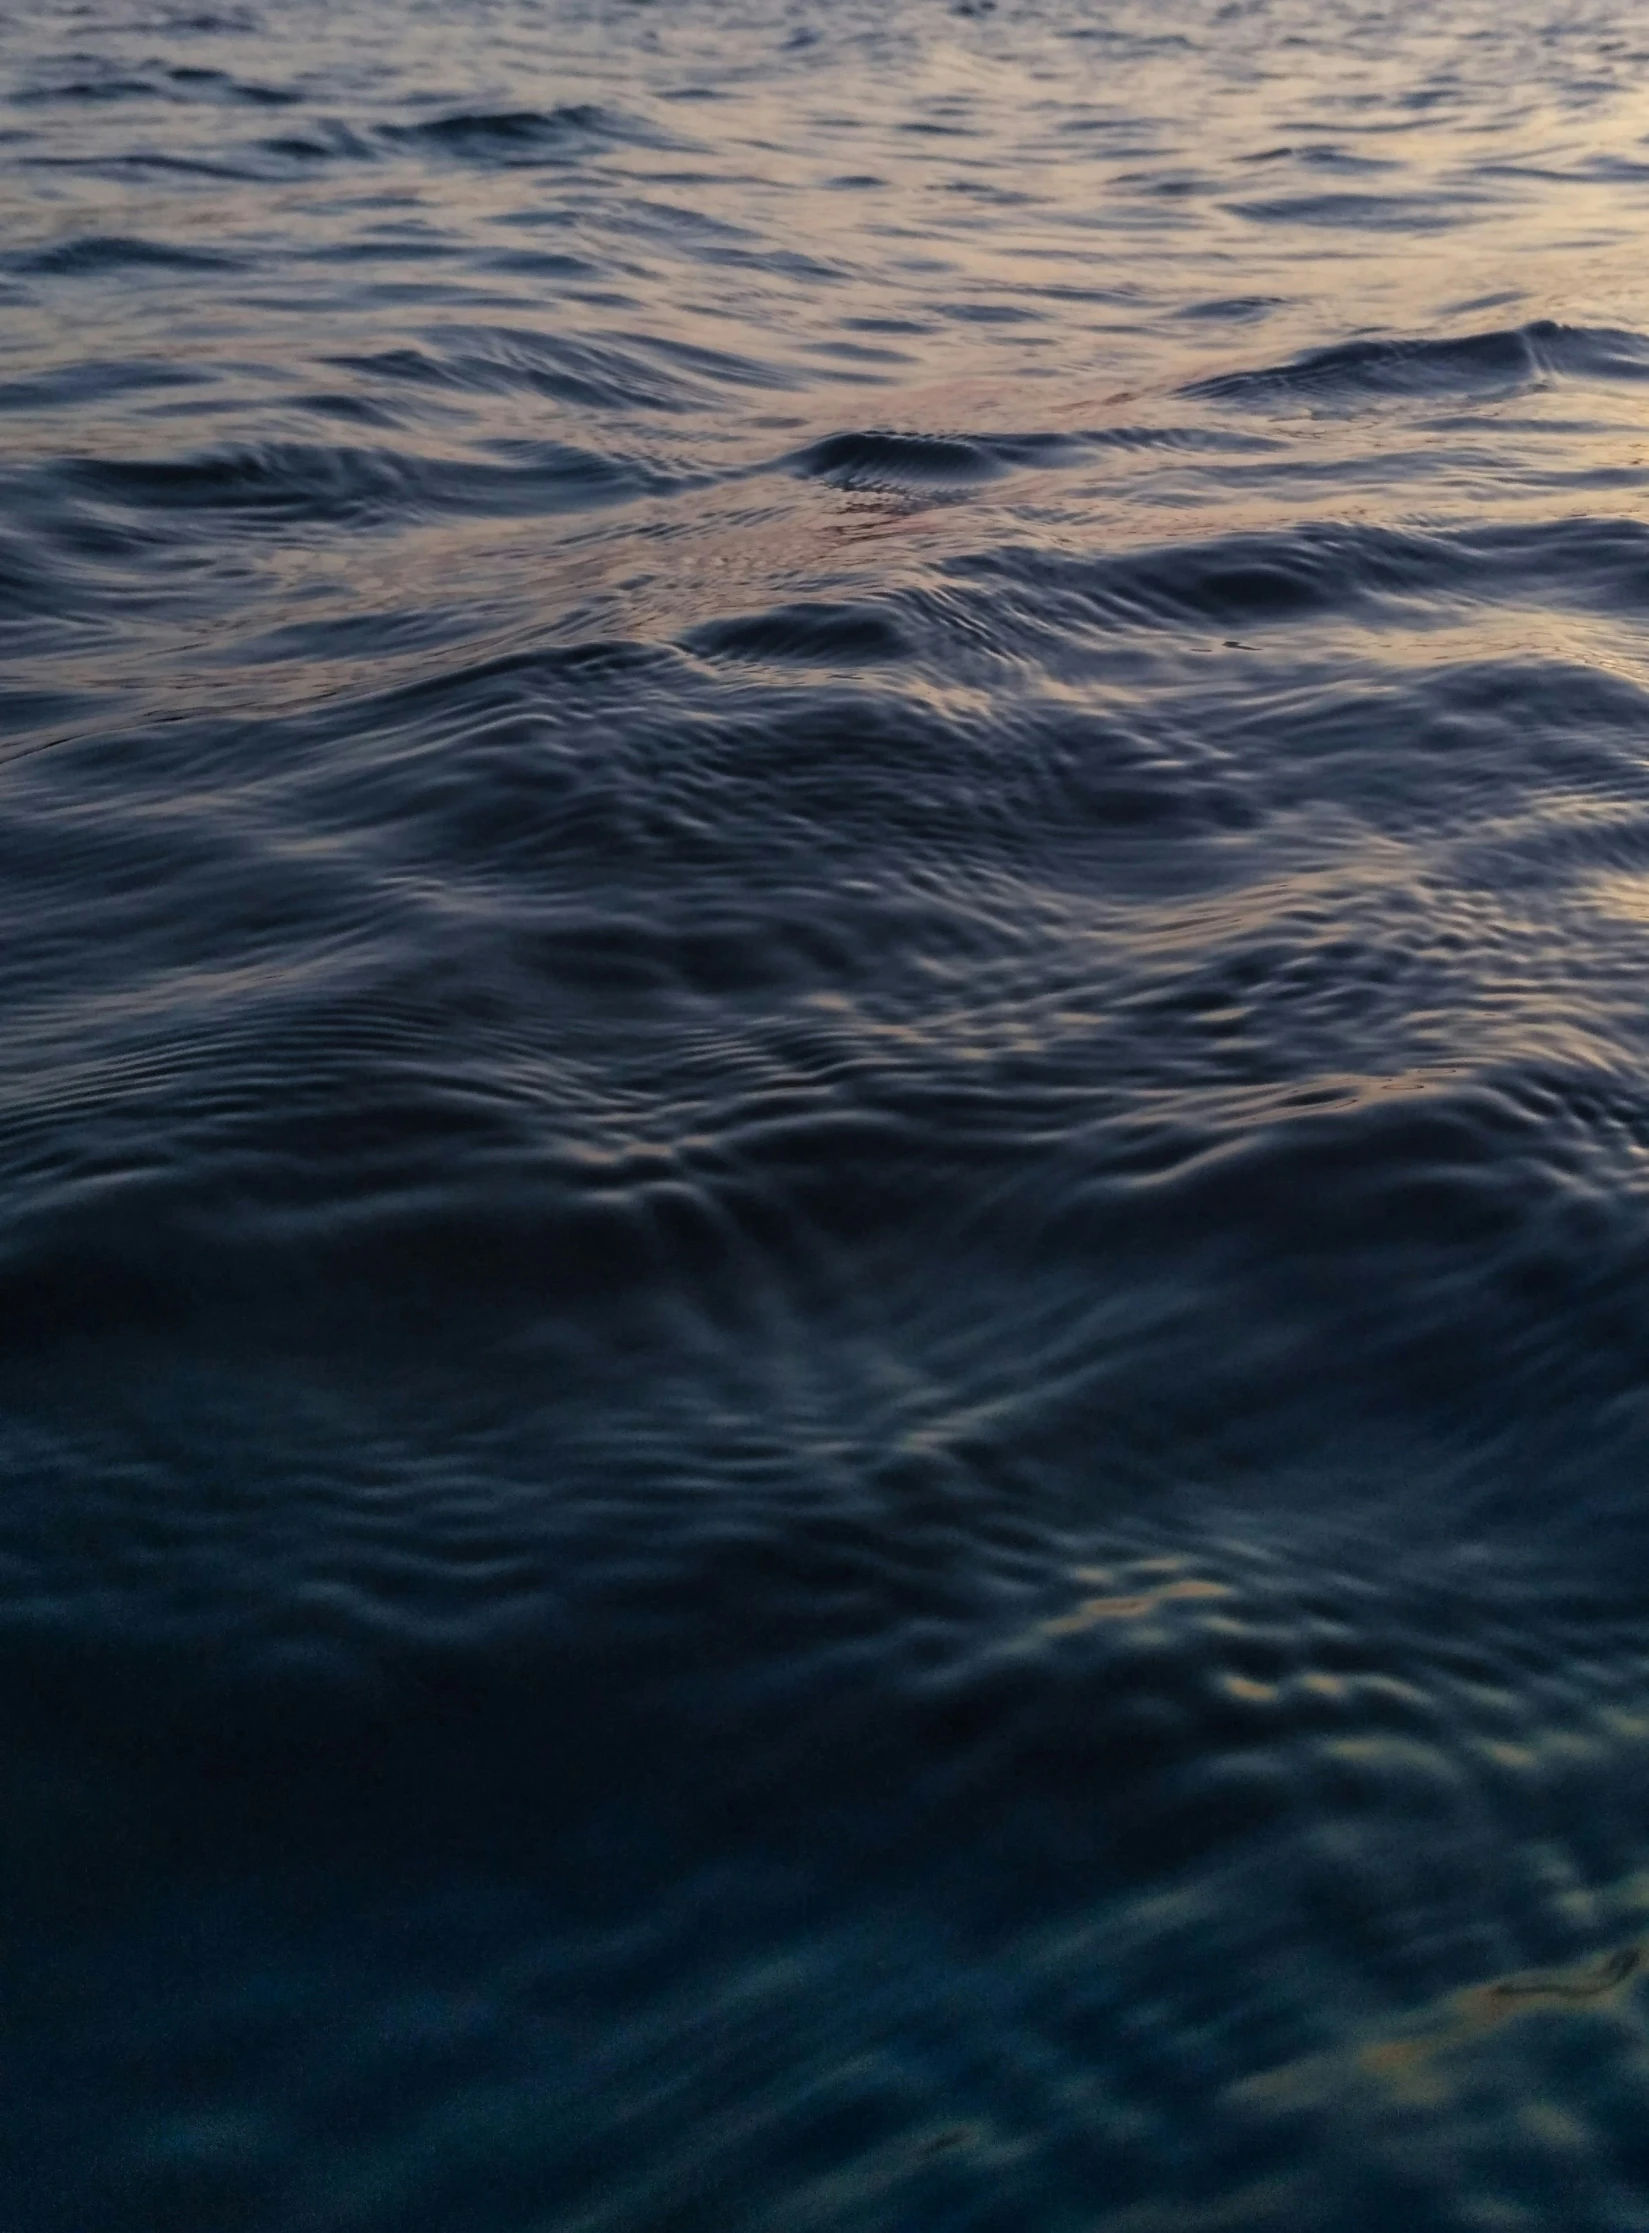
point(824, 1116)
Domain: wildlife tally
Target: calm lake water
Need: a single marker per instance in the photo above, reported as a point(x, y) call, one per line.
point(824, 1117)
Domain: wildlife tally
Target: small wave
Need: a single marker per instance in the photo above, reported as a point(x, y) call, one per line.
point(219, 85)
point(528, 135)
point(108, 87)
point(877, 459)
point(322, 140)
point(1325, 569)
point(518, 360)
point(540, 263)
point(1233, 309)
point(183, 83)
point(142, 161)
point(1386, 213)
point(1323, 156)
point(211, 23)
point(75, 384)
point(805, 635)
point(1501, 362)
point(92, 253)
point(299, 482)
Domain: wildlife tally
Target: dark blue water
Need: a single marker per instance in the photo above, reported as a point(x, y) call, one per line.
point(824, 1117)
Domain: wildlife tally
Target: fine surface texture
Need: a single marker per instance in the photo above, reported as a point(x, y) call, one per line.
point(824, 1132)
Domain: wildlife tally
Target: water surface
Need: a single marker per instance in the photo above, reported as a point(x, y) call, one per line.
point(824, 1147)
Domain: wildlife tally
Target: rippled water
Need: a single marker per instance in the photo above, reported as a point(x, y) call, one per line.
point(824, 1137)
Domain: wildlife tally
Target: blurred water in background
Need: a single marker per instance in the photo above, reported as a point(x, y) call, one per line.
point(824, 1140)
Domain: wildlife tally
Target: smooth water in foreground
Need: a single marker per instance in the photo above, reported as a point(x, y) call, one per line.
point(824, 1117)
